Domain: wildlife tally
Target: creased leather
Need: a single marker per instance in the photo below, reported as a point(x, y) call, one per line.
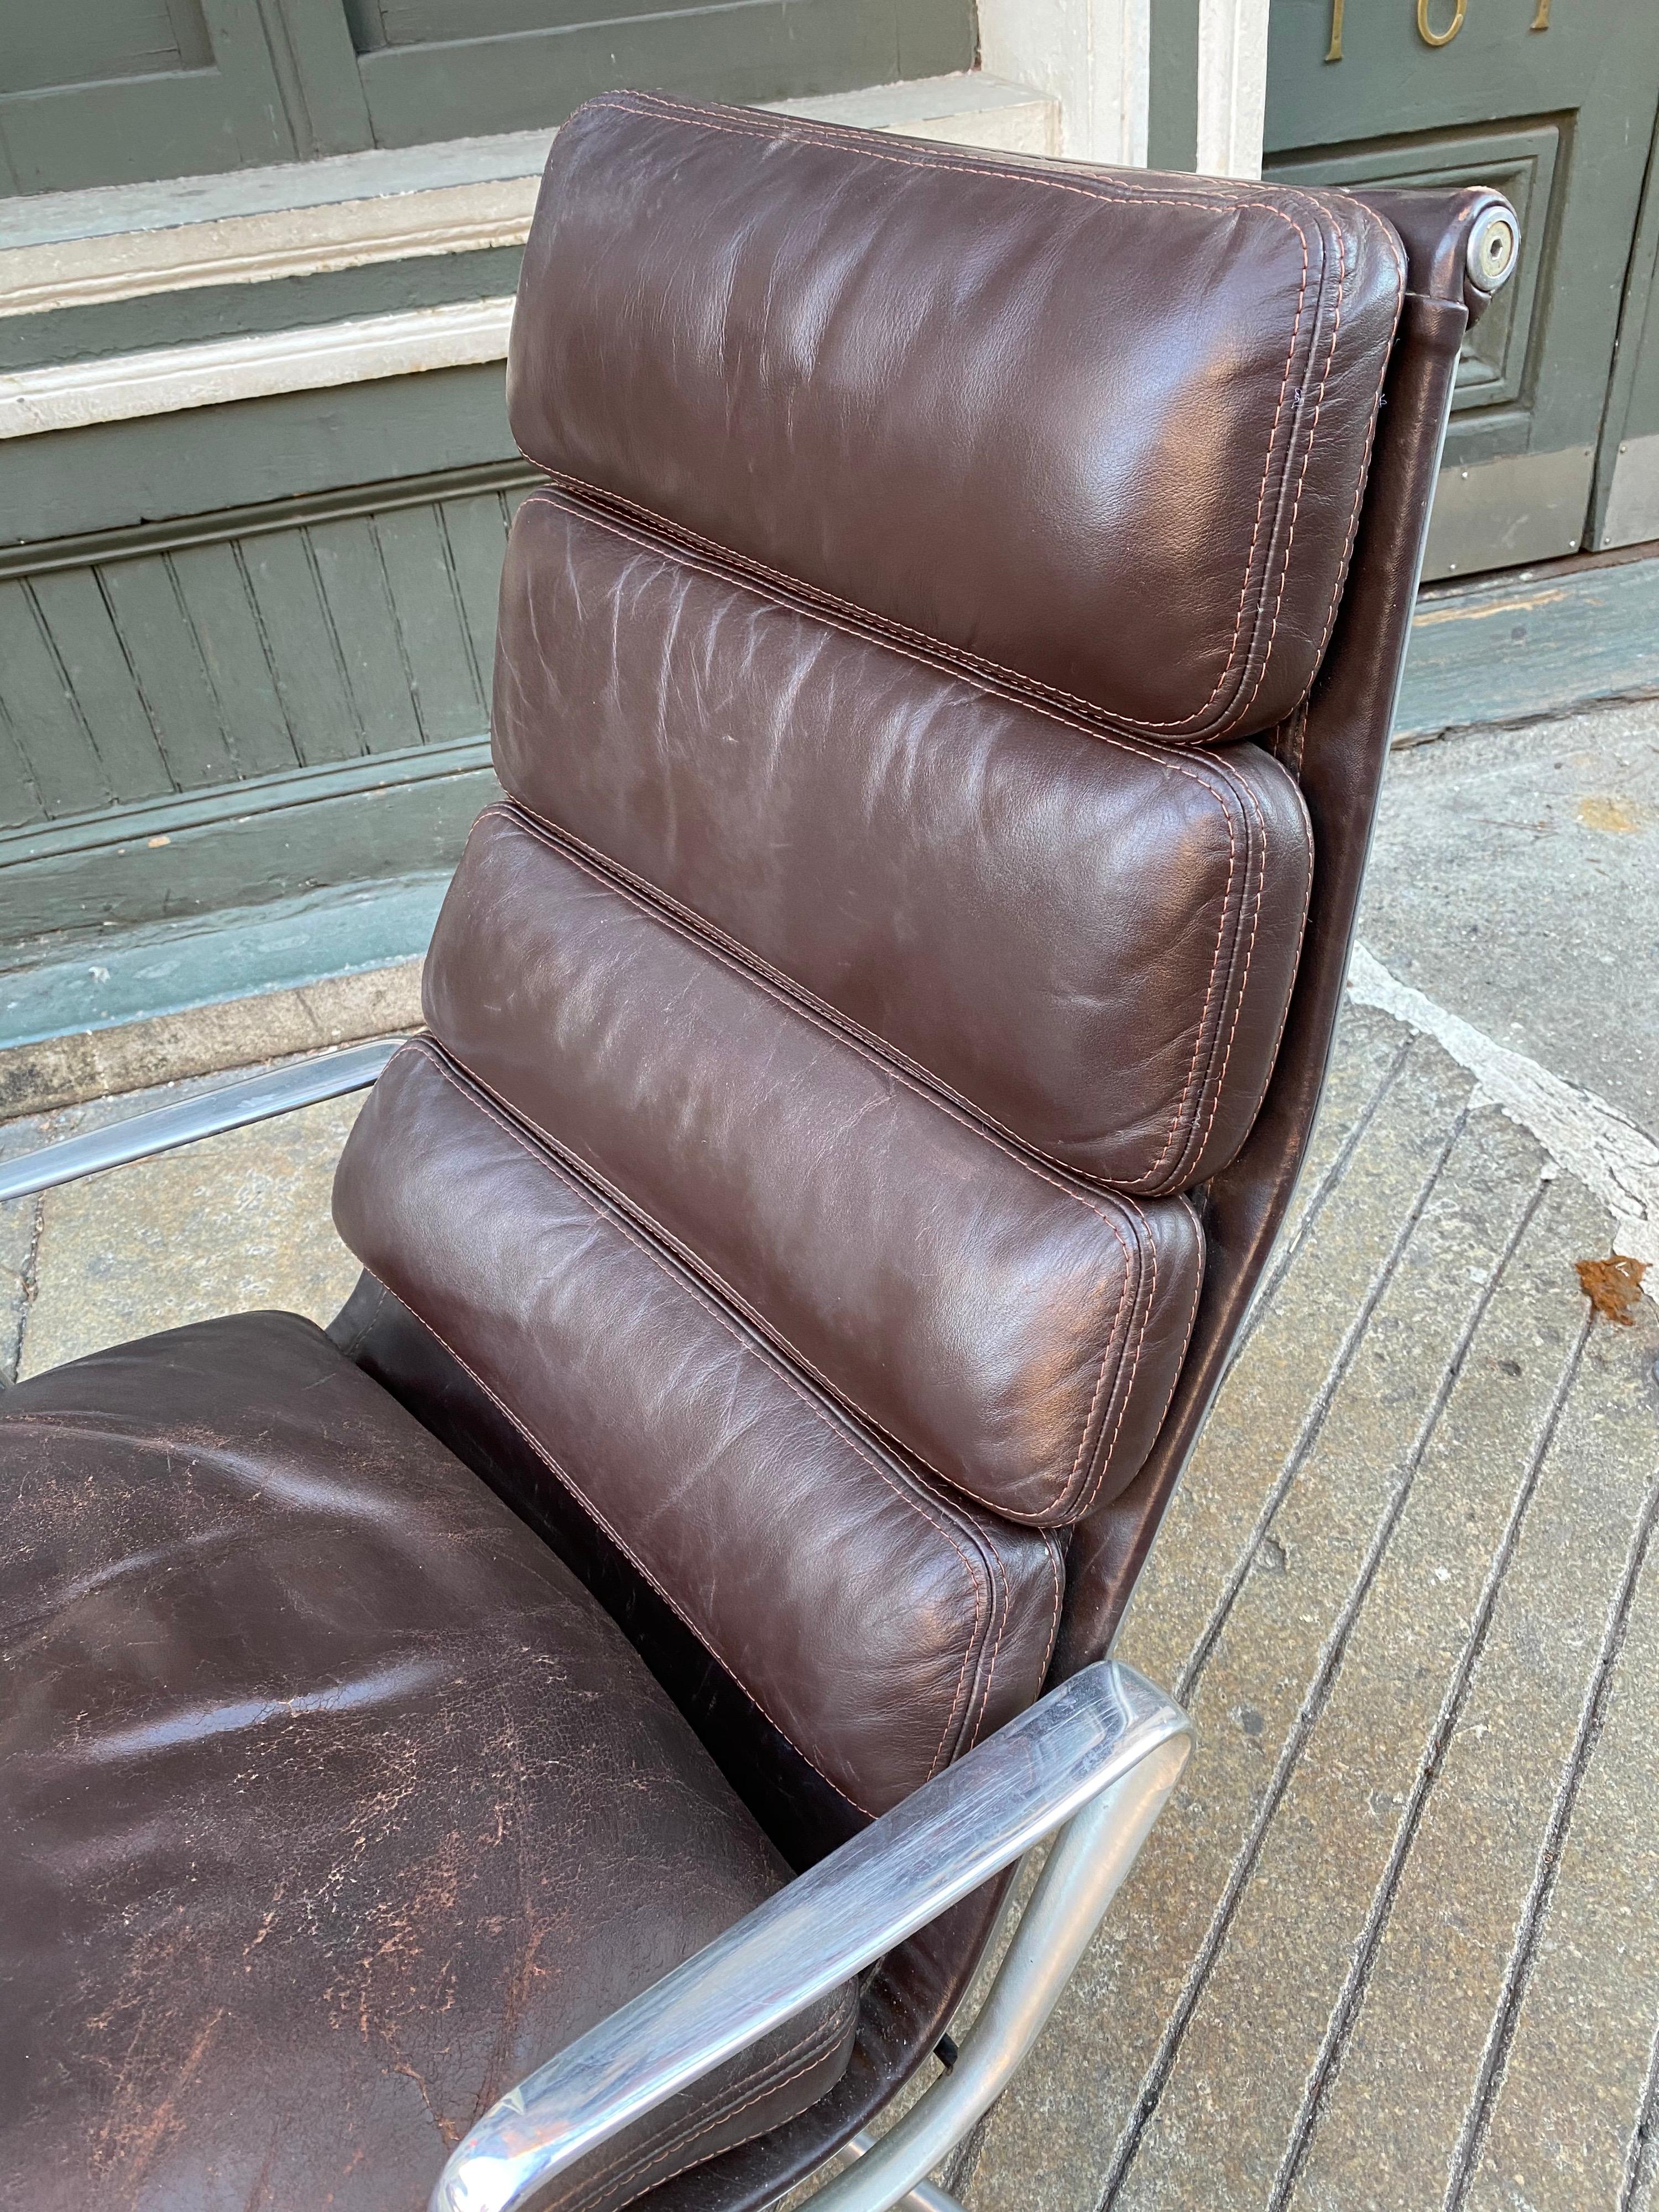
point(1090, 939)
point(908, 1625)
point(1092, 435)
point(331, 1803)
point(1017, 1332)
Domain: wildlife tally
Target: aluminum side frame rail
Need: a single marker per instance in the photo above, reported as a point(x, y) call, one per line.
point(229, 1106)
point(1097, 1757)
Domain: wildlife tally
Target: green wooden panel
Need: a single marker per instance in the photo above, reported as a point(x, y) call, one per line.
point(204, 716)
point(305, 654)
point(213, 589)
point(1172, 88)
point(1563, 112)
point(353, 579)
point(98, 669)
point(172, 674)
point(19, 797)
point(227, 852)
point(113, 475)
point(738, 50)
point(59, 756)
point(311, 48)
point(476, 532)
point(447, 700)
point(121, 128)
point(41, 46)
point(221, 311)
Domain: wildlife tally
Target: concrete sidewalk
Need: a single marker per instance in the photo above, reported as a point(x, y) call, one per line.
point(1396, 1941)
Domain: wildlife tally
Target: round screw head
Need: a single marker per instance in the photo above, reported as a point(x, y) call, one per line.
point(1492, 249)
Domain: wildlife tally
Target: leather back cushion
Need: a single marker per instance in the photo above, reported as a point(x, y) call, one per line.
point(827, 1028)
point(879, 1623)
point(1099, 437)
point(1089, 939)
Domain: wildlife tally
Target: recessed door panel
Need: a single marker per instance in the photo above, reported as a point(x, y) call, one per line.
point(1554, 101)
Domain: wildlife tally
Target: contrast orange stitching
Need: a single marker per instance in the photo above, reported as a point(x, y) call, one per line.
point(556, 841)
point(1149, 1241)
point(1244, 706)
point(774, 1366)
point(1099, 190)
point(1175, 763)
point(1187, 1336)
point(1195, 1152)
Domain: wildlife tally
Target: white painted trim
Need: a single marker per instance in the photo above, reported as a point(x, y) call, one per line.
point(1092, 57)
point(1232, 86)
point(126, 386)
point(76, 249)
point(1591, 1139)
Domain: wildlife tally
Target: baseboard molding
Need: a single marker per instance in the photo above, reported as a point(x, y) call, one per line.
point(67, 886)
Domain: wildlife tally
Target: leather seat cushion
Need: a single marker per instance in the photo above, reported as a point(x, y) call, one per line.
point(331, 1803)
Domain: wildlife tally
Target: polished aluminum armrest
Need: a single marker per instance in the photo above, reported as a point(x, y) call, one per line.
point(1106, 1732)
point(226, 1106)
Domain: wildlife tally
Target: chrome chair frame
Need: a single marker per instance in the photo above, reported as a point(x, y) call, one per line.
point(1090, 1767)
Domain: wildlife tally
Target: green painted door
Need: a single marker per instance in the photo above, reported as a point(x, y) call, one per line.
point(1554, 101)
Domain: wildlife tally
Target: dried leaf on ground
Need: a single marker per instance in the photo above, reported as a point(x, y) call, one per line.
point(1612, 1286)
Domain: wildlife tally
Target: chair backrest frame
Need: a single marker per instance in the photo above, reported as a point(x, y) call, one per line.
point(1335, 745)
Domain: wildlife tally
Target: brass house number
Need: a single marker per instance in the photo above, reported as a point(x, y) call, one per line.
point(1426, 29)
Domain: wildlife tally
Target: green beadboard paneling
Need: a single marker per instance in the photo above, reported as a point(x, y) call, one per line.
point(191, 668)
point(214, 588)
point(306, 655)
point(58, 760)
point(354, 582)
point(172, 674)
point(447, 700)
point(98, 670)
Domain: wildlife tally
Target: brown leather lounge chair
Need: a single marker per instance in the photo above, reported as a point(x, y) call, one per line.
point(943, 685)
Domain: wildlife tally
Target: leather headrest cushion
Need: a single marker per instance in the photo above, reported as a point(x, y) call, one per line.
point(1097, 437)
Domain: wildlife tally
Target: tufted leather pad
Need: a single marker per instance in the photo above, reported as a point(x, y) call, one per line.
point(330, 1803)
point(880, 1623)
point(1017, 1331)
point(1098, 437)
point(1090, 939)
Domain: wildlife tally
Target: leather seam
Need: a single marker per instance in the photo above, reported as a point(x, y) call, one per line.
point(1102, 193)
point(556, 1468)
point(981, 1587)
point(1115, 1337)
point(1194, 1152)
point(1175, 762)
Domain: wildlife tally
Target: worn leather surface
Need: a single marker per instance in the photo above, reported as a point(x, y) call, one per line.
point(1017, 1332)
point(1088, 939)
point(331, 1803)
point(905, 2004)
point(882, 1624)
point(1098, 437)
